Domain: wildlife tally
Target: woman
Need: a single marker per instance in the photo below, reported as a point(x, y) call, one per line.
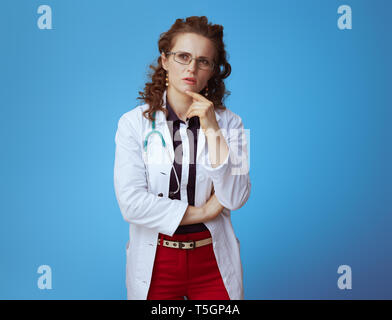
point(180, 167)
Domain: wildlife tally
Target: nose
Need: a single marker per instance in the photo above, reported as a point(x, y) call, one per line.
point(193, 65)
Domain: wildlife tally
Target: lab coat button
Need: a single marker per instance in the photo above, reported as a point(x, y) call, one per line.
point(160, 194)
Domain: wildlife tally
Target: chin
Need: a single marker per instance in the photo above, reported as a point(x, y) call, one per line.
point(193, 89)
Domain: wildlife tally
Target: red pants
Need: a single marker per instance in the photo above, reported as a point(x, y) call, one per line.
point(185, 272)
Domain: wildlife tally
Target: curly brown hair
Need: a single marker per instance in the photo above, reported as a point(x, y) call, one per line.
point(153, 91)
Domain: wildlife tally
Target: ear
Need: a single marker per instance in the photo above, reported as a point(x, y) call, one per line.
point(164, 61)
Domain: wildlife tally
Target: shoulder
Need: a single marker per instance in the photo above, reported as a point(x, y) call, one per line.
point(135, 115)
point(133, 121)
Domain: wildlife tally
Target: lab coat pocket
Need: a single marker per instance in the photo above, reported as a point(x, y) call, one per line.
point(158, 176)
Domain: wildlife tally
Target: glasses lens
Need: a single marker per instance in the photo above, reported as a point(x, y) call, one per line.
point(186, 58)
point(204, 64)
point(182, 57)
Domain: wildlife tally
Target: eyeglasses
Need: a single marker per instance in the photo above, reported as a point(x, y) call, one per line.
point(186, 58)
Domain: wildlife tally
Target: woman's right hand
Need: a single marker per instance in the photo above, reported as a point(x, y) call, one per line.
point(212, 208)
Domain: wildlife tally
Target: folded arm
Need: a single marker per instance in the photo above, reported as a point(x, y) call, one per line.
point(227, 164)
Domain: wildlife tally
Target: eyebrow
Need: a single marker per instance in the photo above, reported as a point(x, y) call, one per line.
point(191, 54)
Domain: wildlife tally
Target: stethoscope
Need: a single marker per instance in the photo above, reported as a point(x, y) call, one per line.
point(145, 144)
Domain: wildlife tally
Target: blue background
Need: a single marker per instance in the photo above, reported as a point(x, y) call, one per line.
point(317, 101)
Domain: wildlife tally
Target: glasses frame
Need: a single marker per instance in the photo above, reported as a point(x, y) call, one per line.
point(174, 56)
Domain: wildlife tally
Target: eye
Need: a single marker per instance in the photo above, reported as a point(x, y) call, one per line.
point(184, 56)
point(204, 61)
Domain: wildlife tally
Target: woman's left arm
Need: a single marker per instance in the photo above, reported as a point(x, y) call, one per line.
point(230, 176)
point(227, 159)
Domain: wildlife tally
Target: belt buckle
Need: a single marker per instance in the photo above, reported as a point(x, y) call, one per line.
point(193, 244)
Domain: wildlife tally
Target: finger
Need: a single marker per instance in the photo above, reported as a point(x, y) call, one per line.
point(196, 96)
point(196, 110)
point(191, 114)
point(198, 113)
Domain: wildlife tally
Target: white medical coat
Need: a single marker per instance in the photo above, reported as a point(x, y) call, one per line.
point(149, 214)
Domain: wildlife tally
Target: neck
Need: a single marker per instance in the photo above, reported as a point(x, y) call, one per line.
point(180, 102)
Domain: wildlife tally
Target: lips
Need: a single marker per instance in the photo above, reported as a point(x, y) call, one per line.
point(190, 80)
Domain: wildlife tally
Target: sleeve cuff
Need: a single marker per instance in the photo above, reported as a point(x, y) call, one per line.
point(176, 219)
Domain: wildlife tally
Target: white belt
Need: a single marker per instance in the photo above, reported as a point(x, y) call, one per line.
point(190, 244)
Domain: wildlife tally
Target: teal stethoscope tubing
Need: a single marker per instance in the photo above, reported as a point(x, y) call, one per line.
point(145, 144)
